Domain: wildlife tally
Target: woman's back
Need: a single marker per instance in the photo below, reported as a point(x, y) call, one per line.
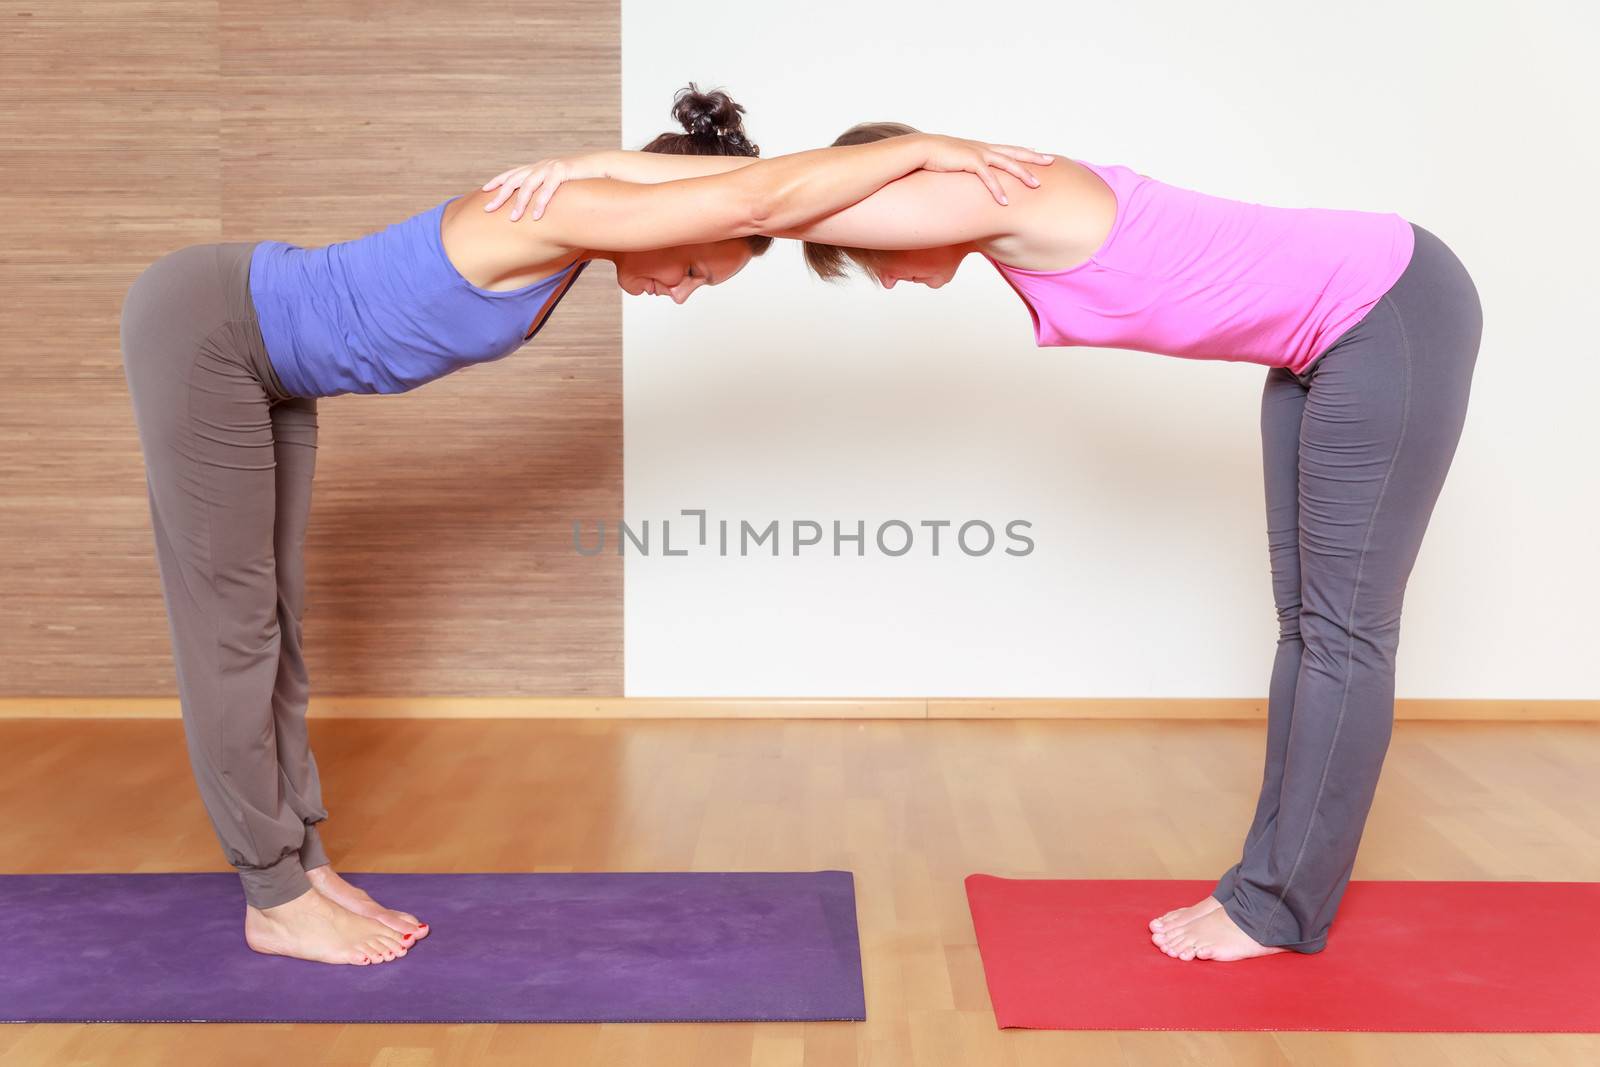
point(386, 312)
point(1184, 273)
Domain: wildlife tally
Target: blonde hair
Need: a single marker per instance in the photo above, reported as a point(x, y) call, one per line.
point(831, 262)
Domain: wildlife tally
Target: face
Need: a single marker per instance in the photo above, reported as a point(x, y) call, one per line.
point(932, 267)
point(677, 272)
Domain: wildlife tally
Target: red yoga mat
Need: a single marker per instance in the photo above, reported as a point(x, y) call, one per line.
point(1465, 957)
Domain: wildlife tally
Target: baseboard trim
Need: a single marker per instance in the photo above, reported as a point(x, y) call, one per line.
point(436, 707)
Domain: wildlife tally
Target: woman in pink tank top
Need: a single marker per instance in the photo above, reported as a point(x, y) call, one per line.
point(1369, 327)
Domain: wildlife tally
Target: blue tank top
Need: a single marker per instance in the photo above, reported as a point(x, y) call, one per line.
point(386, 312)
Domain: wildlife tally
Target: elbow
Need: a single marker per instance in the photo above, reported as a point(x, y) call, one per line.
point(759, 205)
point(759, 213)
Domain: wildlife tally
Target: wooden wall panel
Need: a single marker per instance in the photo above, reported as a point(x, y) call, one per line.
point(439, 553)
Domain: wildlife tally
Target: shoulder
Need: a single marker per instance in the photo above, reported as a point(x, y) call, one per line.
point(493, 252)
point(1062, 222)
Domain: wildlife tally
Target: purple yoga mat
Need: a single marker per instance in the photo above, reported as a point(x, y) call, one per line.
point(682, 947)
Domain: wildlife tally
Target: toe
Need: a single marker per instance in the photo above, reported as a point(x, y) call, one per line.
point(402, 924)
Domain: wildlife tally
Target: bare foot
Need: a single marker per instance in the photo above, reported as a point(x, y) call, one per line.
point(312, 927)
point(1212, 936)
point(327, 882)
point(1178, 916)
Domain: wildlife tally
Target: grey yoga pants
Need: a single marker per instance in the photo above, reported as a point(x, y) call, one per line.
point(229, 458)
point(1356, 450)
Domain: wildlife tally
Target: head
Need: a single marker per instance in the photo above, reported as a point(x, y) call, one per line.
point(932, 267)
point(712, 126)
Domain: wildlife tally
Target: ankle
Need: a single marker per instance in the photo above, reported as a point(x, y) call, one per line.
point(310, 899)
point(274, 885)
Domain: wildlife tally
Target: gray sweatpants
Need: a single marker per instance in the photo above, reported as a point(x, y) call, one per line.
point(229, 458)
point(1356, 451)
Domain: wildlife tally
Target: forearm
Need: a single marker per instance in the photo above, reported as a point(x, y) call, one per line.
point(789, 191)
point(651, 168)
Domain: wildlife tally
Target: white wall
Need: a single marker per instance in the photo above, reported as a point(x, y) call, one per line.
point(776, 396)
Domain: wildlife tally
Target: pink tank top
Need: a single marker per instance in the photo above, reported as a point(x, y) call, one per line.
point(1186, 274)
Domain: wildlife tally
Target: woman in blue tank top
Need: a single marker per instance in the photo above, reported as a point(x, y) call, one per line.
point(226, 348)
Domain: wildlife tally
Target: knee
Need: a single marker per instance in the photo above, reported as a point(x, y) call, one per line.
point(1326, 641)
point(1289, 622)
point(1369, 639)
point(1376, 638)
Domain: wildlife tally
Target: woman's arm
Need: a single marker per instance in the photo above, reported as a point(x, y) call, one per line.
point(920, 210)
point(649, 168)
point(1052, 227)
point(543, 178)
point(769, 196)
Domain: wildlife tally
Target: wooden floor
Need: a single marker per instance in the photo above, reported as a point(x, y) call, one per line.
point(910, 807)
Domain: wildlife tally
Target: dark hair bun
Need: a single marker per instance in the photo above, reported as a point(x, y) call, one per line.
point(713, 125)
point(708, 116)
